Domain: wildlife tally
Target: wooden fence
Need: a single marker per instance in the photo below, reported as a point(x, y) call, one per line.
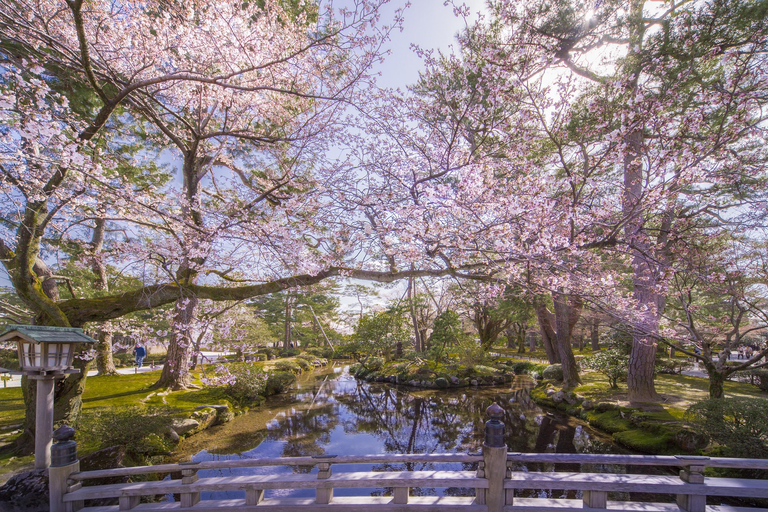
point(502, 482)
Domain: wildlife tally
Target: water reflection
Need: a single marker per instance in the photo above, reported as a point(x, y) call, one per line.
point(330, 413)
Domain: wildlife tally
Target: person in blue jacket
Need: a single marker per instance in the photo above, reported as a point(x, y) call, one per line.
point(140, 353)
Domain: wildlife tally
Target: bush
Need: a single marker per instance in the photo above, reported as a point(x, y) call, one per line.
point(469, 352)
point(325, 352)
point(9, 359)
point(279, 382)
point(759, 378)
point(374, 364)
point(522, 367)
point(739, 425)
point(290, 352)
point(304, 364)
point(610, 362)
point(288, 366)
point(671, 366)
point(268, 352)
point(136, 428)
point(553, 372)
point(245, 384)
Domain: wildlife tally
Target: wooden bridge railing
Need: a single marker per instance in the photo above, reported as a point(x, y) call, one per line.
point(497, 484)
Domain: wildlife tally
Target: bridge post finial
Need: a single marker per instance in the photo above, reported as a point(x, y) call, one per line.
point(495, 459)
point(63, 463)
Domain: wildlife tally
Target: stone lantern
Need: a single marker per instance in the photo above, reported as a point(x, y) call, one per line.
point(45, 354)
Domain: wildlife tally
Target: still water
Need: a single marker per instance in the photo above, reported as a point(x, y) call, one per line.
point(328, 412)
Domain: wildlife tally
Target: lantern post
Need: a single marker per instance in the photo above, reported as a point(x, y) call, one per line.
point(45, 354)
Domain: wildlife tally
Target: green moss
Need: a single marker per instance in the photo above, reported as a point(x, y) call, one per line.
point(646, 441)
point(609, 421)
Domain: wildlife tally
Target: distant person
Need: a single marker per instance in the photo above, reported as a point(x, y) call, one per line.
point(140, 353)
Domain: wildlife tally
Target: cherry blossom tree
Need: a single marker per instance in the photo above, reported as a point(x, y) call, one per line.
point(217, 81)
point(569, 146)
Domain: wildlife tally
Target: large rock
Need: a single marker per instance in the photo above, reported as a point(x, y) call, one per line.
point(223, 413)
point(184, 427)
point(25, 492)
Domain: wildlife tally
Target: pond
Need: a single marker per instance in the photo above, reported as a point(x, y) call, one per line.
point(329, 412)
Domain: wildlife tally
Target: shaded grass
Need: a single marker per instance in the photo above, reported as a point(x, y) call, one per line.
point(11, 407)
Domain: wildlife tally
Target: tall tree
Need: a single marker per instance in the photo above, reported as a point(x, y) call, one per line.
point(154, 62)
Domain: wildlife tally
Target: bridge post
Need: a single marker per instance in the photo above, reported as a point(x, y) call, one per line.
point(64, 462)
point(692, 474)
point(495, 459)
point(325, 495)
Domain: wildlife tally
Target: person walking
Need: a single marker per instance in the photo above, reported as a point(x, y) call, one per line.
point(140, 353)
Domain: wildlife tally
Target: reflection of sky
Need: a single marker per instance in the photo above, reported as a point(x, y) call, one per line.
point(339, 416)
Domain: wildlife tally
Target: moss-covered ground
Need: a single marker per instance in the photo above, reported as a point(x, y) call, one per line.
point(655, 428)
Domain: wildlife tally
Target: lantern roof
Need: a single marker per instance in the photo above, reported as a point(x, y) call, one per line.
point(45, 334)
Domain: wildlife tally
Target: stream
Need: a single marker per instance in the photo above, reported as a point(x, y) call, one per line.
point(329, 412)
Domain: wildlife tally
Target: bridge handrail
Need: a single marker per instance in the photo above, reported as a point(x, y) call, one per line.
point(512, 457)
point(279, 461)
point(638, 460)
point(496, 481)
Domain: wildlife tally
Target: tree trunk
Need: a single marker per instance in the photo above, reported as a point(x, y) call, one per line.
point(417, 341)
point(548, 335)
point(567, 312)
point(640, 373)
point(287, 327)
point(105, 364)
point(642, 359)
point(175, 374)
point(716, 382)
point(594, 334)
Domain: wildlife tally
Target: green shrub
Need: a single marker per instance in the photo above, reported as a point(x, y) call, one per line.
point(759, 378)
point(288, 366)
point(553, 372)
point(485, 371)
point(738, 424)
point(304, 364)
point(375, 364)
point(290, 352)
point(668, 366)
point(139, 429)
point(243, 383)
point(610, 362)
point(267, 351)
point(468, 352)
point(325, 352)
point(9, 359)
point(278, 382)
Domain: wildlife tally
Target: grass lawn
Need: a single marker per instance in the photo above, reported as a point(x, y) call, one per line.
point(678, 392)
point(104, 393)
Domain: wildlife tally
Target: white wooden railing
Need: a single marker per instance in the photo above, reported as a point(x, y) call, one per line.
point(502, 482)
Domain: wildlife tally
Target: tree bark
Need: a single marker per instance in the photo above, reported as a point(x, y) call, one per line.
point(105, 364)
point(640, 375)
point(548, 335)
point(594, 334)
point(716, 383)
point(287, 331)
point(417, 340)
point(567, 313)
point(175, 374)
